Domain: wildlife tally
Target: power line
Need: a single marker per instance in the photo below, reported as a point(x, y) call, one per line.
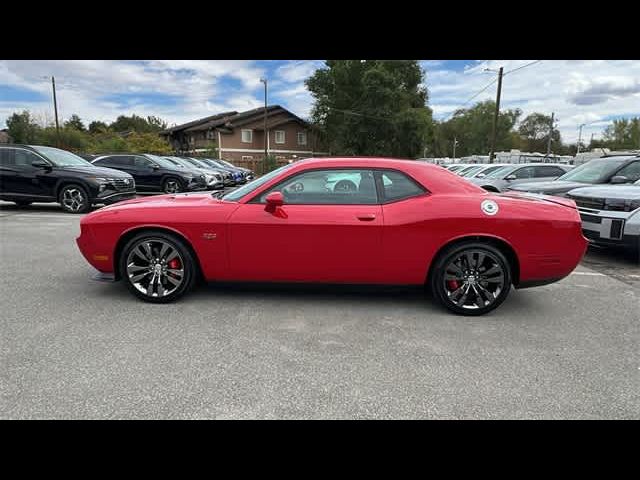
point(474, 96)
point(523, 66)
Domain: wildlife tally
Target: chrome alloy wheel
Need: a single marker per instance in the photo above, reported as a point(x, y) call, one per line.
point(73, 199)
point(171, 186)
point(155, 268)
point(474, 279)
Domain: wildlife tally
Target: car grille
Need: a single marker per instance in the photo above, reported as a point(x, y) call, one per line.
point(124, 184)
point(585, 202)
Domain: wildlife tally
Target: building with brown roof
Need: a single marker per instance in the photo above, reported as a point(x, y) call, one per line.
point(240, 135)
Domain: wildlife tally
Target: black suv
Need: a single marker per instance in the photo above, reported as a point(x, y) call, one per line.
point(32, 173)
point(153, 173)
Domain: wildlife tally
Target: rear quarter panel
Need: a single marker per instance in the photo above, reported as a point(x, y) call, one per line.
point(546, 238)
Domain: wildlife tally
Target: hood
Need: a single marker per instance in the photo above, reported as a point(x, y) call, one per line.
point(97, 171)
point(553, 188)
point(625, 192)
point(177, 200)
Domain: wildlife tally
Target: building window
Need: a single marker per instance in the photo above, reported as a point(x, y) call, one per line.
point(247, 136)
point(279, 136)
point(247, 157)
point(302, 138)
point(210, 135)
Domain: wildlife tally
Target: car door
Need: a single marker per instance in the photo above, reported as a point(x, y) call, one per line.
point(317, 235)
point(20, 177)
point(631, 171)
point(547, 173)
point(149, 176)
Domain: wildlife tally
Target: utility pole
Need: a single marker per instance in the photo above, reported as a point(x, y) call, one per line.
point(266, 134)
point(55, 109)
point(455, 143)
point(495, 118)
point(550, 135)
point(591, 141)
point(580, 138)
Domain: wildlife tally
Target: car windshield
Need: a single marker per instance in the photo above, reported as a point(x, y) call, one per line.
point(470, 171)
point(62, 158)
point(594, 171)
point(501, 172)
point(213, 163)
point(224, 162)
point(488, 170)
point(161, 161)
point(178, 162)
point(238, 193)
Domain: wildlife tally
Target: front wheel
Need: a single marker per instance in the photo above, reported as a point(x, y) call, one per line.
point(74, 199)
point(172, 185)
point(157, 267)
point(471, 278)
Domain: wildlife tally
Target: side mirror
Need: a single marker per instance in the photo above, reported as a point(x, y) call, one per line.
point(274, 199)
point(40, 164)
point(619, 179)
point(510, 177)
point(154, 166)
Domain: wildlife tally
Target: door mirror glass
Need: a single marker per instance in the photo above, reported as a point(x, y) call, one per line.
point(619, 179)
point(274, 199)
point(40, 164)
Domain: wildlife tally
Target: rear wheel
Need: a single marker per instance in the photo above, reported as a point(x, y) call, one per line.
point(157, 267)
point(471, 278)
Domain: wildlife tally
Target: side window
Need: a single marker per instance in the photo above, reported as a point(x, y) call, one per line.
point(7, 157)
point(525, 172)
point(141, 162)
point(397, 186)
point(631, 171)
point(548, 171)
point(327, 187)
point(23, 158)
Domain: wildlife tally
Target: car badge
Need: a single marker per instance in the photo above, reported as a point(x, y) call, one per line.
point(489, 207)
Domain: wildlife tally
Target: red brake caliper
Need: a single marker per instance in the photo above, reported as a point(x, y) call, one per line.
point(452, 284)
point(174, 264)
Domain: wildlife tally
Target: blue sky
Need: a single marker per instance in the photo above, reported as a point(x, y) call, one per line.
point(587, 92)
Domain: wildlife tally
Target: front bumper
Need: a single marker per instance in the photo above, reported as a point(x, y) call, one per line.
point(109, 197)
point(609, 228)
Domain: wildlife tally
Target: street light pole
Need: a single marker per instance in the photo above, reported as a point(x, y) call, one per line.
point(550, 135)
point(495, 117)
point(266, 134)
point(580, 138)
point(55, 109)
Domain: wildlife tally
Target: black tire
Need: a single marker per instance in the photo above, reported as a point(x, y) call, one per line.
point(22, 203)
point(155, 240)
point(172, 185)
point(447, 291)
point(74, 198)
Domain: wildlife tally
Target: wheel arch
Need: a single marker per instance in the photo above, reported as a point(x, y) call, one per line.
point(501, 244)
point(63, 182)
point(132, 232)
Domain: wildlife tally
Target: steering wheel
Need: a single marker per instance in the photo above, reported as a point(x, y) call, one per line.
point(296, 187)
point(345, 186)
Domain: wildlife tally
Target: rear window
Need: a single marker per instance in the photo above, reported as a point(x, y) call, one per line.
point(398, 186)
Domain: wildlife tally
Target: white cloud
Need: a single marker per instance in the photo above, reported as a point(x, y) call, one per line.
point(298, 71)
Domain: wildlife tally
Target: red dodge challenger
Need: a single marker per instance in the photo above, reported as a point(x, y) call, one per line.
point(341, 220)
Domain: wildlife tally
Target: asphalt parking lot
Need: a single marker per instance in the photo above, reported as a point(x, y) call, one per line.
point(75, 348)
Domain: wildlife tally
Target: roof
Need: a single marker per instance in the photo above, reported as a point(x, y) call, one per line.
point(233, 119)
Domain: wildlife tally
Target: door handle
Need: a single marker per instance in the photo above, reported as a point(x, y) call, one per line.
point(367, 217)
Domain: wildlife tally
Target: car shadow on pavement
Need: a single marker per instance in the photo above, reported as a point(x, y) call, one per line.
point(36, 208)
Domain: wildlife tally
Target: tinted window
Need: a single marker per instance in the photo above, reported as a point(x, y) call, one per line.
point(631, 171)
point(7, 157)
point(17, 157)
point(118, 160)
point(328, 187)
point(548, 171)
point(526, 172)
point(594, 171)
point(141, 162)
point(397, 186)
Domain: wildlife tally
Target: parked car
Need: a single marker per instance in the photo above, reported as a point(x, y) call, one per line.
point(153, 173)
point(610, 214)
point(612, 170)
point(483, 170)
point(214, 179)
point(407, 223)
point(455, 166)
point(33, 173)
point(249, 174)
point(465, 168)
point(239, 177)
point(516, 173)
point(227, 177)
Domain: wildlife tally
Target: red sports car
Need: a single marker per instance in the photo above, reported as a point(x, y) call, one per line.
point(341, 220)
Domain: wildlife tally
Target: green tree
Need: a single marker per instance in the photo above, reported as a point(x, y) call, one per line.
point(22, 127)
point(97, 127)
point(472, 129)
point(371, 107)
point(138, 124)
point(623, 134)
point(75, 123)
point(534, 130)
point(147, 143)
